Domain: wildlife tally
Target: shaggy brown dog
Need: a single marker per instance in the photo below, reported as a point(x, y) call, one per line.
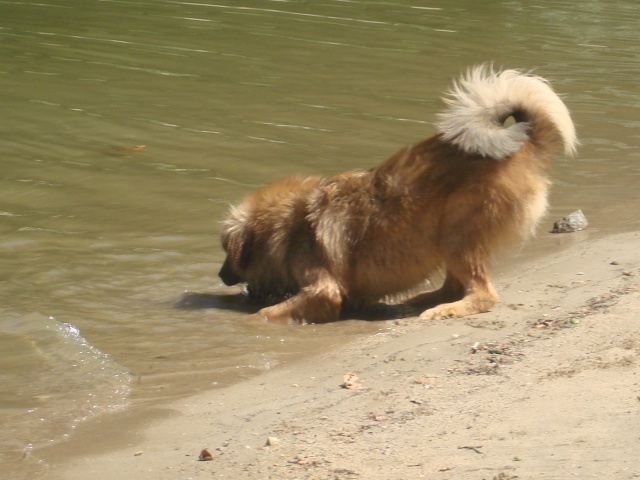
point(315, 244)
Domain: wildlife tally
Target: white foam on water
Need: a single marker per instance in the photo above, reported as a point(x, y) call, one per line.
point(52, 378)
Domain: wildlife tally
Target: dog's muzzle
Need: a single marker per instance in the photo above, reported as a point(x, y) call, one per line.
point(227, 275)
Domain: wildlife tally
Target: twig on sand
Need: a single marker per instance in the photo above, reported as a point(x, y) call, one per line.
point(471, 447)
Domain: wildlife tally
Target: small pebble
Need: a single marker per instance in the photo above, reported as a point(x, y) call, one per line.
point(205, 456)
point(271, 441)
point(571, 223)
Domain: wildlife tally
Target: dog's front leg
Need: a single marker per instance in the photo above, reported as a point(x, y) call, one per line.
point(318, 302)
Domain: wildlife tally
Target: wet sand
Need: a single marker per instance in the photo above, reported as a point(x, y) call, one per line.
point(545, 386)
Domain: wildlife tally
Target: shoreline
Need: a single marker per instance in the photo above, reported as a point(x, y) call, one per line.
point(544, 386)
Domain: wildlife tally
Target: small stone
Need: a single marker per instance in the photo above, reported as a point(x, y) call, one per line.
point(271, 441)
point(138, 453)
point(573, 222)
point(205, 456)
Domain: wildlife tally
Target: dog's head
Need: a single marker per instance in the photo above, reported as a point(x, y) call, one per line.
point(237, 241)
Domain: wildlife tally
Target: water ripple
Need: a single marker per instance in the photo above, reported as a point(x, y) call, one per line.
point(284, 12)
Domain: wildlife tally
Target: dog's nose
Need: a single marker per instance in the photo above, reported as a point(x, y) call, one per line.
point(227, 275)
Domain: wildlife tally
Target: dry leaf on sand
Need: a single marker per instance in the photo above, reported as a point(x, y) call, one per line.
point(352, 382)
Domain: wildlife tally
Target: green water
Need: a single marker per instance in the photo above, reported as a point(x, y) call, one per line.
point(128, 127)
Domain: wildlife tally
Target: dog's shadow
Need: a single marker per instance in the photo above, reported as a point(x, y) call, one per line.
point(239, 302)
point(222, 301)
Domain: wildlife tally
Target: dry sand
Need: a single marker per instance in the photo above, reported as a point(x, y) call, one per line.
point(546, 386)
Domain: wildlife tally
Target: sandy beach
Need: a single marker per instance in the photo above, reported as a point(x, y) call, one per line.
point(545, 386)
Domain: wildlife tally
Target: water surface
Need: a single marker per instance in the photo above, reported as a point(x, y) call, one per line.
point(129, 126)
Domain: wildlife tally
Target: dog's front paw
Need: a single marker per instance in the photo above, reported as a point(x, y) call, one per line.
point(277, 314)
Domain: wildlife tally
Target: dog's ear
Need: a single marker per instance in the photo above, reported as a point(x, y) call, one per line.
point(239, 248)
point(246, 251)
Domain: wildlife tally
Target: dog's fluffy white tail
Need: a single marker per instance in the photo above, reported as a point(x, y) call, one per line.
point(481, 101)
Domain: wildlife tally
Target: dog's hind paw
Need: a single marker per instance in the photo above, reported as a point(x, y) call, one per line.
point(461, 308)
point(446, 310)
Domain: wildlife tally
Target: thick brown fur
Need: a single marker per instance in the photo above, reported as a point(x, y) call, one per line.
point(315, 244)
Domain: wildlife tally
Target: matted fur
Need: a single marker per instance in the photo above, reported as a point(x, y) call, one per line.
point(314, 244)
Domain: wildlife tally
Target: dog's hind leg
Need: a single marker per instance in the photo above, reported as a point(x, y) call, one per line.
point(468, 284)
point(317, 302)
point(450, 291)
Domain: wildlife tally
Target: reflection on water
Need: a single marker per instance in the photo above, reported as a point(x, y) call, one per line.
point(105, 236)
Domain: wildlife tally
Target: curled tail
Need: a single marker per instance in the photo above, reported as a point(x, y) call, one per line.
point(481, 101)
